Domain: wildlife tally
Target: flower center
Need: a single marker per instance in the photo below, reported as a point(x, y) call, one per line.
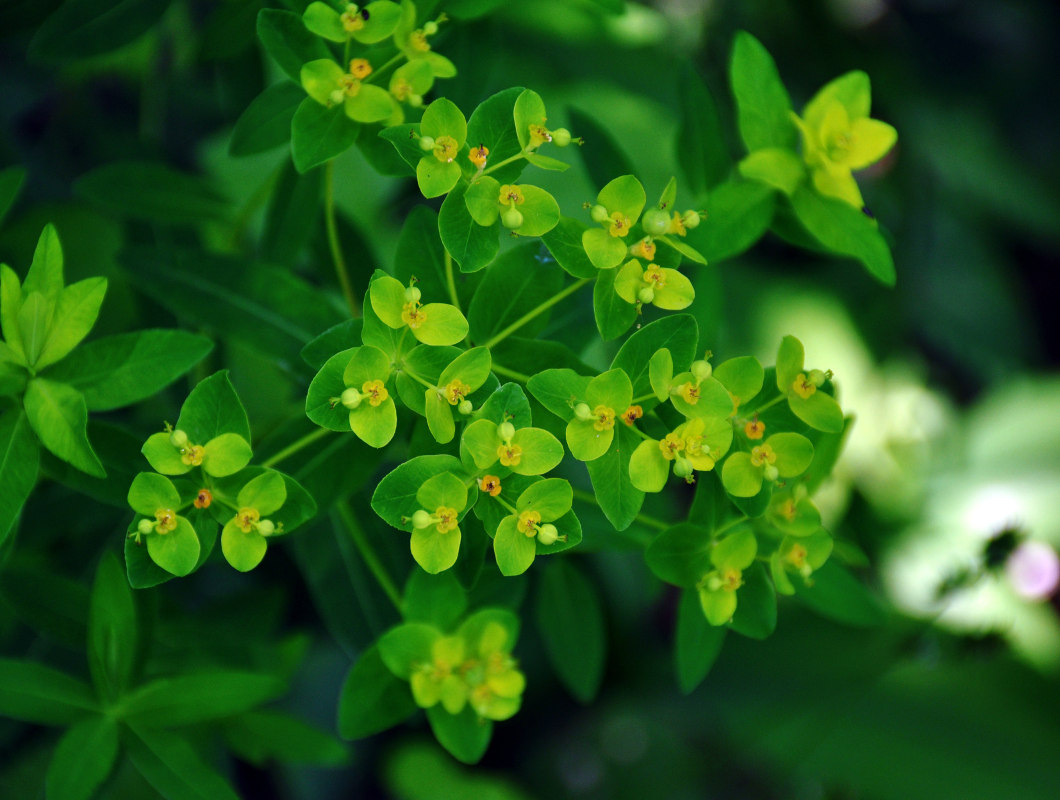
point(445, 149)
point(797, 556)
point(167, 520)
point(511, 195)
point(671, 446)
point(247, 519)
point(360, 68)
point(353, 18)
point(510, 454)
point(203, 498)
point(689, 393)
point(654, 276)
point(446, 519)
point(192, 455)
point(528, 522)
point(376, 392)
point(605, 418)
point(456, 390)
point(754, 429)
point(477, 156)
point(803, 386)
point(632, 414)
point(490, 484)
point(412, 315)
point(619, 224)
point(762, 454)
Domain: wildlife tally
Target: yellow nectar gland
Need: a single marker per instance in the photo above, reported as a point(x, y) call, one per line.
point(455, 391)
point(654, 276)
point(731, 579)
point(375, 391)
point(511, 194)
point(677, 225)
point(412, 315)
point(445, 149)
point(360, 68)
point(528, 522)
point(446, 519)
point(755, 429)
point(353, 18)
point(605, 418)
point(490, 484)
point(203, 498)
point(510, 455)
point(247, 519)
point(192, 456)
point(645, 249)
point(632, 414)
point(803, 386)
point(418, 40)
point(762, 454)
point(539, 134)
point(401, 89)
point(618, 226)
point(478, 155)
point(694, 447)
point(671, 446)
point(689, 392)
point(167, 520)
point(787, 509)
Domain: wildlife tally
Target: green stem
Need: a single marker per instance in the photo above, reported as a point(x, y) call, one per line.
point(378, 71)
point(540, 309)
point(500, 164)
point(450, 282)
point(770, 404)
point(371, 560)
point(417, 378)
point(510, 373)
point(294, 447)
point(505, 503)
point(643, 519)
point(333, 239)
point(643, 398)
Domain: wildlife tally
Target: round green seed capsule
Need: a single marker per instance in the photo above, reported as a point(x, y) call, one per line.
point(512, 219)
point(178, 439)
point(682, 467)
point(430, 28)
point(816, 377)
point(465, 407)
point(351, 398)
point(426, 143)
point(412, 295)
point(583, 412)
point(547, 534)
point(599, 213)
point(561, 137)
point(655, 222)
point(646, 295)
point(691, 219)
point(145, 526)
point(421, 519)
point(266, 527)
point(770, 473)
point(506, 431)
point(701, 369)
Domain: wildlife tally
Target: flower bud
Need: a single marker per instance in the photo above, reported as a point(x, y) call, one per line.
point(655, 222)
point(266, 527)
point(701, 369)
point(412, 295)
point(178, 439)
point(427, 143)
point(465, 407)
point(770, 472)
point(646, 295)
point(547, 534)
point(561, 137)
point(512, 218)
point(421, 519)
point(145, 526)
point(351, 398)
point(599, 213)
point(506, 431)
point(430, 27)
point(583, 412)
point(682, 467)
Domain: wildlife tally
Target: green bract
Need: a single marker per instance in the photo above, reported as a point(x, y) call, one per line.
point(243, 538)
point(464, 375)
point(717, 589)
point(654, 285)
point(515, 544)
point(783, 454)
point(622, 200)
point(817, 409)
point(528, 451)
point(171, 539)
point(606, 397)
point(444, 128)
point(435, 323)
point(327, 83)
point(223, 455)
point(368, 25)
point(696, 445)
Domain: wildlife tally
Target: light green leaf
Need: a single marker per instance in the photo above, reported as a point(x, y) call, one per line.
point(529, 110)
point(541, 451)
point(444, 326)
point(225, 455)
point(774, 166)
point(149, 492)
point(625, 195)
point(191, 698)
point(323, 20)
point(513, 549)
point(551, 498)
point(648, 470)
point(267, 493)
point(177, 551)
point(762, 103)
point(604, 250)
point(435, 551)
point(58, 416)
point(46, 270)
point(820, 411)
point(740, 477)
point(571, 621)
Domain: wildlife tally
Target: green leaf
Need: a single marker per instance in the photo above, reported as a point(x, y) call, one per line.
point(435, 177)
point(19, 456)
point(263, 736)
point(403, 647)
point(10, 306)
point(32, 692)
point(697, 643)
point(58, 416)
point(287, 41)
point(614, 315)
point(835, 594)
point(395, 495)
point(619, 499)
point(293, 215)
point(648, 469)
point(603, 158)
point(738, 213)
point(75, 314)
point(513, 549)
point(742, 376)
point(177, 551)
point(541, 451)
point(794, 453)
point(492, 124)
point(571, 621)
point(540, 211)
point(624, 194)
point(83, 28)
point(266, 122)
point(678, 333)
point(704, 158)
point(564, 242)
point(33, 321)
point(604, 250)
point(776, 167)
point(437, 600)
point(845, 230)
point(267, 493)
point(681, 555)
point(11, 180)
point(198, 697)
point(471, 245)
point(326, 386)
point(213, 408)
point(464, 735)
point(323, 20)
point(342, 336)
point(112, 629)
point(170, 764)
point(443, 118)
point(756, 605)
point(383, 17)
point(507, 403)
point(529, 110)
point(740, 477)
point(83, 759)
point(515, 283)
point(545, 162)
point(319, 134)
point(153, 192)
point(117, 371)
point(46, 271)
point(762, 103)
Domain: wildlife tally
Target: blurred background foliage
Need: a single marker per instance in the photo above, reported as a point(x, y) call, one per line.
point(951, 691)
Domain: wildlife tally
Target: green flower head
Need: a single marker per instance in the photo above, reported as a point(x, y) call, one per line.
point(243, 538)
point(654, 285)
point(695, 446)
point(717, 589)
point(441, 501)
point(817, 409)
point(373, 415)
point(518, 535)
point(330, 85)
point(524, 451)
point(464, 375)
point(590, 433)
point(782, 455)
point(443, 131)
point(398, 306)
point(617, 209)
point(172, 541)
point(173, 453)
point(799, 557)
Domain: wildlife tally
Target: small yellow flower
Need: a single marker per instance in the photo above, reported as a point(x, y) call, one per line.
point(618, 225)
point(375, 391)
point(353, 18)
point(360, 68)
point(455, 391)
point(445, 148)
point(671, 446)
point(511, 194)
point(510, 455)
point(632, 414)
point(490, 484)
point(528, 522)
point(167, 520)
point(203, 498)
point(539, 134)
point(645, 249)
point(401, 89)
point(247, 518)
point(193, 455)
point(654, 276)
point(478, 155)
point(762, 454)
point(755, 429)
point(677, 225)
point(412, 315)
point(418, 41)
point(689, 392)
point(447, 519)
point(803, 386)
point(605, 418)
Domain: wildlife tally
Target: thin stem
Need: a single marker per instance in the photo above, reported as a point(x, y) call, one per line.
point(642, 434)
point(540, 309)
point(770, 404)
point(294, 447)
point(500, 164)
point(450, 282)
point(643, 398)
point(505, 503)
point(378, 71)
point(510, 373)
point(333, 239)
point(417, 378)
point(371, 560)
point(643, 519)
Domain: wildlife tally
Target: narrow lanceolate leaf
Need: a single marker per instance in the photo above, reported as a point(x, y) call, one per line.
point(83, 759)
point(19, 455)
point(153, 192)
point(35, 693)
point(58, 415)
point(75, 314)
point(187, 699)
point(112, 629)
point(571, 621)
point(697, 643)
point(170, 764)
point(120, 370)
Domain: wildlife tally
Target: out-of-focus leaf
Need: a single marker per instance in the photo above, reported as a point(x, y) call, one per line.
point(571, 621)
point(266, 122)
point(83, 28)
point(153, 192)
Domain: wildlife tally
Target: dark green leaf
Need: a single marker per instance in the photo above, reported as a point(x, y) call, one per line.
point(571, 621)
point(261, 736)
point(420, 254)
point(153, 192)
point(565, 243)
point(82, 760)
point(697, 643)
point(213, 408)
point(58, 416)
point(681, 555)
point(435, 599)
point(738, 213)
point(319, 134)
point(614, 316)
point(49, 603)
point(335, 339)
point(190, 698)
point(838, 595)
point(266, 122)
point(704, 155)
point(120, 370)
point(515, 284)
point(756, 604)
point(83, 28)
point(170, 764)
point(678, 333)
point(11, 180)
point(35, 693)
point(471, 245)
point(293, 215)
point(604, 160)
point(762, 103)
point(372, 698)
point(286, 39)
point(464, 735)
point(493, 125)
point(19, 455)
point(112, 629)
